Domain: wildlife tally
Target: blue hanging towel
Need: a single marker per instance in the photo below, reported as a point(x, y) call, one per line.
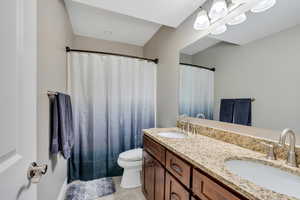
point(61, 125)
point(237, 111)
point(242, 112)
point(226, 110)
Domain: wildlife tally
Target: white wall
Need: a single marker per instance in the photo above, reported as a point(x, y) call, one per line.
point(267, 69)
point(87, 43)
point(54, 33)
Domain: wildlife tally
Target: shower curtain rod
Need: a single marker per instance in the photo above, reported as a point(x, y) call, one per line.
point(211, 69)
point(68, 49)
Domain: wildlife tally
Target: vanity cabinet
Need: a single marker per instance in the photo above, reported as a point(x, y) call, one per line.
point(167, 176)
point(153, 178)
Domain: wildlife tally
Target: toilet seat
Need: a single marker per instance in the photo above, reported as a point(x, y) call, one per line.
point(132, 155)
point(129, 164)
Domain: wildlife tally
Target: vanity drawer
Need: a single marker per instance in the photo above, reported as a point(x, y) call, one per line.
point(179, 168)
point(155, 149)
point(206, 189)
point(174, 190)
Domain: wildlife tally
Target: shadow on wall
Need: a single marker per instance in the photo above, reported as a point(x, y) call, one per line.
point(53, 160)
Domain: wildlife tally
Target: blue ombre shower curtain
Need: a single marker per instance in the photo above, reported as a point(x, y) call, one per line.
point(196, 92)
point(113, 100)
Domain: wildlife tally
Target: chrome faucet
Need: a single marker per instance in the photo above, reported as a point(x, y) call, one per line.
point(291, 158)
point(201, 116)
point(185, 128)
point(181, 119)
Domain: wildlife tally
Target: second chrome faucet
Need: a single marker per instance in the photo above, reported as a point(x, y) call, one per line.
point(291, 157)
point(184, 124)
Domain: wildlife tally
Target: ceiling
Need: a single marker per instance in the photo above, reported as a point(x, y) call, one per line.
point(102, 24)
point(165, 12)
point(133, 22)
point(284, 15)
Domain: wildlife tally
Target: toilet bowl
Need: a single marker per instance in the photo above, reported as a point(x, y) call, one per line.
point(131, 162)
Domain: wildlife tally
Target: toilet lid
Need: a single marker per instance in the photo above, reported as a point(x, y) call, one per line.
point(132, 155)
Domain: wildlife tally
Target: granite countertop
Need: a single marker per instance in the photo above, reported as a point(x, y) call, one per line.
point(210, 155)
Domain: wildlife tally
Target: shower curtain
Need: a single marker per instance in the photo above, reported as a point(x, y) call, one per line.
point(196, 92)
point(113, 100)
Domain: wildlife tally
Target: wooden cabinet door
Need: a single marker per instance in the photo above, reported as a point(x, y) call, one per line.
point(159, 181)
point(148, 176)
point(153, 178)
point(174, 190)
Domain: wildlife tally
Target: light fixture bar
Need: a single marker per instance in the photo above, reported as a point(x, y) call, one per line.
point(220, 11)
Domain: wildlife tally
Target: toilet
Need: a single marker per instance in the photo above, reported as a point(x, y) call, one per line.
point(131, 162)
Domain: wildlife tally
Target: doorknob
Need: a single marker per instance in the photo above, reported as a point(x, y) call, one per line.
point(35, 172)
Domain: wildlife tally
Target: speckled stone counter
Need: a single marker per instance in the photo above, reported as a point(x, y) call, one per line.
point(209, 155)
point(244, 136)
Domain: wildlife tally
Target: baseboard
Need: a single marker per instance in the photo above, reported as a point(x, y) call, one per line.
point(63, 190)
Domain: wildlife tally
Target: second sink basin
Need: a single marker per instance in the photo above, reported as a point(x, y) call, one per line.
point(175, 135)
point(269, 177)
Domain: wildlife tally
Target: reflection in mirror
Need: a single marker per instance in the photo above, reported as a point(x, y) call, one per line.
point(257, 72)
point(196, 91)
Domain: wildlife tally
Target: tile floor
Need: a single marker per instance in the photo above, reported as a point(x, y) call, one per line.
point(124, 194)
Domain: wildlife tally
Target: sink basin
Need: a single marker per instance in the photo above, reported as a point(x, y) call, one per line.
point(174, 135)
point(266, 176)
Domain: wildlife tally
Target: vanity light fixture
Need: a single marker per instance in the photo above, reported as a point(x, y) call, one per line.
point(263, 5)
point(238, 19)
point(219, 30)
point(218, 9)
point(202, 22)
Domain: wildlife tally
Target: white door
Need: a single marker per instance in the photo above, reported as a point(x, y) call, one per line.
point(18, 97)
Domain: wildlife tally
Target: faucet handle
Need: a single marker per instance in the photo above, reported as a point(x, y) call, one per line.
point(270, 151)
point(188, 124)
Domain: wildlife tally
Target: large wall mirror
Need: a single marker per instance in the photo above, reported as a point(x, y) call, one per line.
point(249, 75)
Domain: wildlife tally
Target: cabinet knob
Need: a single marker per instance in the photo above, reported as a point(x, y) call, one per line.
point(176, 168)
